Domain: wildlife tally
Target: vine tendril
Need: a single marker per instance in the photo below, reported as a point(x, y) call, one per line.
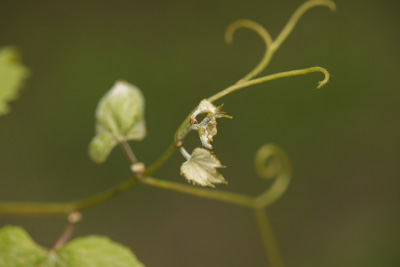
point(272, 45)
point(262, 32)
point(297, 15)
point(272, 162)
point(271, 77)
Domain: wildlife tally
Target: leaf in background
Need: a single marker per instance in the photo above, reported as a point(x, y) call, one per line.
point(18, 250)
point(119, 117)
point(96, 251)
point(12, 75)
point(200, 168)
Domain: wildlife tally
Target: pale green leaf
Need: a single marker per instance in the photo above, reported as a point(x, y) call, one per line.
point(18, 250)
point(200, 168)
point(119, 117)
point(120, 110)
point(12, 75)
point(96, 251)
point(101, 146)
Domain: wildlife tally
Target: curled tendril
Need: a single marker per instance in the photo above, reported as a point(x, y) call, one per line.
point(272, 162)
point(262, 32)
point(272, 45)
point(297, 15)
point(245, 23)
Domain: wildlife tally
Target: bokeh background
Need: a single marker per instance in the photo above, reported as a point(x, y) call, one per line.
point(342, 207)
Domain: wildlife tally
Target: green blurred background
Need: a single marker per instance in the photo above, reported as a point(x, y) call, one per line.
point(342, 207)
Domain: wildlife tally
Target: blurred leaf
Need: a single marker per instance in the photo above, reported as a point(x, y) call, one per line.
point(120, 110)
point(200, 168)
point(12, 75)
point(119, 117)
point(96, 251)
point(18, 250)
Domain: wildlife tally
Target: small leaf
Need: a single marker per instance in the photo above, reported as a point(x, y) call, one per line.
point(200, 168)
point(12, 75)
point(120, 110)
point(207, 128)
point(101, 146)
point(18, 250)
point(119, 117)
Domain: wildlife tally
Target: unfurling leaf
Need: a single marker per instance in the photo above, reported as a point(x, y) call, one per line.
point(200, 168)
point(119, 117)
point(17, 249)
point(12, 75)
point(207, 128)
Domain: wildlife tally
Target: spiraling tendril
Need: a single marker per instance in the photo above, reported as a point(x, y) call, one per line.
point(262, 32)
point(272, 162)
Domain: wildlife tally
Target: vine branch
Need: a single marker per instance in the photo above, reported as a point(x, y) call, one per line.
point(270, 161)
point(67, 207)
point(270, 245)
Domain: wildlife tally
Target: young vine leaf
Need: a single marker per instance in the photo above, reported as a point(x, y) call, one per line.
point(119, 117)
point(200, 168)
point(207, 128)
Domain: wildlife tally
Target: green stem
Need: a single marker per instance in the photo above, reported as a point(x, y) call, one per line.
point(66, 207)
point(65, 236)
point(270, 245)
point(233, 198)
point(79, 205)
point(161, 160)
point(271, 248)
point(128, 152)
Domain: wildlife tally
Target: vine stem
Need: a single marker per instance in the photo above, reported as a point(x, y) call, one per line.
point(63, 208)
point(73, 219)
point(161, 160)
point(223, 196)
point(65, 236)
point(270, 245)
point(128, 152)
